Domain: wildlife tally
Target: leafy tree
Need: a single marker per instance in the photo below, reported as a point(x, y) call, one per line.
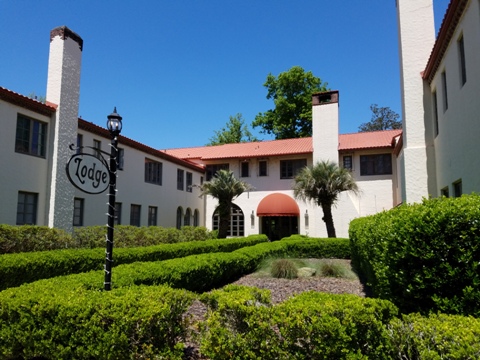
point(292, 93)
point(225, 187)
point(383, 118)
point(322, 183)
point(235, 132)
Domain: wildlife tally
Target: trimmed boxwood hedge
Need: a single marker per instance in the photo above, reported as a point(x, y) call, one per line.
point(17, 269)
point(423, 257)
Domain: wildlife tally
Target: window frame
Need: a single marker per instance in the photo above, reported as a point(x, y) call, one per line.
point(135, 215)
point(152, 215)
point(457, 188)
point(211, 169)
point(373, 162)
point(262, 169)
point(444, 89)
point(153, 172)
point(344, 162)
point(117, 219)
point(244, 169)
point(180, 179)
point(461, 60)
point(435, 112)
point(78, 211)
point(97, 149)
point(189, 181)
point(31, 138)
point(290, 168)
point(25, 204)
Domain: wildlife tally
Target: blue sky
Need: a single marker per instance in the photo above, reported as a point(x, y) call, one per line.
point(177, 69)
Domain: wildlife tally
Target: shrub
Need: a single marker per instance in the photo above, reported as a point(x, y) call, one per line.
point(283, 268)
point(16, 269)
point(27, 238)
point(242, 324)
point(438, 336)
point(128, 323)
point(424, 256)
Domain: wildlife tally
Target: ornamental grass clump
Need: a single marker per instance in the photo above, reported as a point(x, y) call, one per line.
point(284, 268)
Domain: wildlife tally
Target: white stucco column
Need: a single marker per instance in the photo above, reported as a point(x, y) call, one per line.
point(416, 39)
point(63, 89)
point(325, 126)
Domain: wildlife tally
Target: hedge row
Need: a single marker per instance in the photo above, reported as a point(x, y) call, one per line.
point(128, 323)
point(67, 317)
point(16, 269)
point(423, 257)
point(27, 238)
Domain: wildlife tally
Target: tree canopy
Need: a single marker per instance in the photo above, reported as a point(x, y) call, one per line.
point(322, 183)
point(383, 118)
point(235, 131)
point(292, 93)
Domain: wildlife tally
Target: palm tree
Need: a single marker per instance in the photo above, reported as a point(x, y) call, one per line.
point(225, 187)
point(322, 183)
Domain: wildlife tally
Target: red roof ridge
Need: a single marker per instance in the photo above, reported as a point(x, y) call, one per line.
point(24, 101)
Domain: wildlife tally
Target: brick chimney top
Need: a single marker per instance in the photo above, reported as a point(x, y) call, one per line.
point(64, 32)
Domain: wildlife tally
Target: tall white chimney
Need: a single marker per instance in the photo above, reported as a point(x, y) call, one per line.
point(325, 126)
point(63, 90)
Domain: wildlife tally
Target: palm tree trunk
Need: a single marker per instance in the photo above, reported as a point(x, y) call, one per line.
point(328, 218)
point(223, 223)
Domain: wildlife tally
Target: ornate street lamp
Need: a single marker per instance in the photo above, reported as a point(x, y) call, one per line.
point(114, 125)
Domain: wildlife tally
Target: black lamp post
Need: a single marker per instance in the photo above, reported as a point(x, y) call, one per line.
point(114, 125)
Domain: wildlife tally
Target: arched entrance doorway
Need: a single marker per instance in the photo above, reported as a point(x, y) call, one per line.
point(279, 213)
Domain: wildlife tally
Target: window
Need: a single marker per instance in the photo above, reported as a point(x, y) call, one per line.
point(244, 169)
point(444, 192)
point(31, 136)
point(188, 215)
point(290, 168)
point(79, 143)
point(347, 162)
point(153, 172)
point(444, 87)
point(180, 173)
point(117, 220)
point(457, 188)
point(78, 205)
point(135, 215)
point(211, 170)
point(27, 208)
point(196, 215)
point(262, 168)
point(380, 164)
point(120, 156)
point(236, 225)
point(97, 147)
point(461, 56)
point(435, 112)
point(152, 216)
point(179, 217)
point(189, 181)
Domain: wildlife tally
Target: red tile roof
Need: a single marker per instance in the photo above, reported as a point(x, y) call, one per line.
point(27, 103)
point(246, 150)
point(365, 140)
point(368, 140)
point(122, 140)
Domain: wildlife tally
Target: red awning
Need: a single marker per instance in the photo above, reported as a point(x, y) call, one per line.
point(278, 205)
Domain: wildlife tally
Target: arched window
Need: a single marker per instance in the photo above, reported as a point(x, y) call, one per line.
point(179, 217)
point(188, 215)
point(236, 226)
point(195, 217)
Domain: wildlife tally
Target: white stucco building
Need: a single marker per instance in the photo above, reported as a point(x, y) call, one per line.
point(434, 155)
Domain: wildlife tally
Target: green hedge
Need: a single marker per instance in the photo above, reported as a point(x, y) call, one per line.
point(439, 336)
point(128, 323)
point(27, 238)
point(134, 236)
point(242, 324)
point(16, 269)
point(423, 257)
point(14, 239)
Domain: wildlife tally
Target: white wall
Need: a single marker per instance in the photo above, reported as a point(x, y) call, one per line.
point(132, 189)
point(457, 146)
point(20, 172)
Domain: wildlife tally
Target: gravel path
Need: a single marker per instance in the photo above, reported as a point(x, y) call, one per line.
point(281, 289)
